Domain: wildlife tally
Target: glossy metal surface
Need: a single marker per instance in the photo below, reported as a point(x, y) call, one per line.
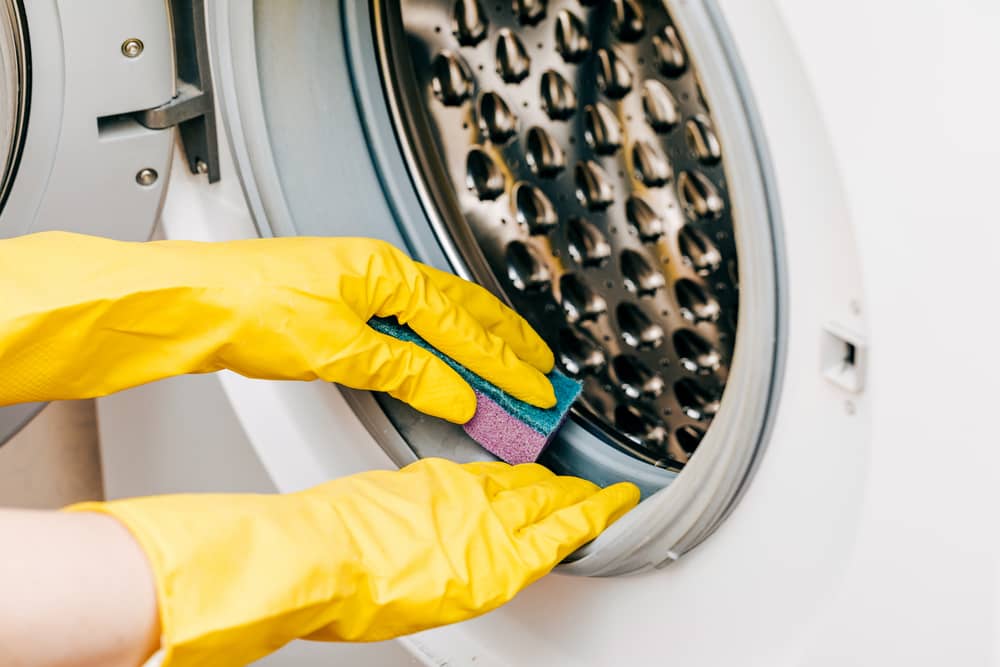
point(590, 191)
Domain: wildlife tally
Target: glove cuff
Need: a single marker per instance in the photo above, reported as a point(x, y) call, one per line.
point(208, 555)
point(149, 548)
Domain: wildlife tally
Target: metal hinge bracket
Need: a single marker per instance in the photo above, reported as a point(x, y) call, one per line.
point(192, 110)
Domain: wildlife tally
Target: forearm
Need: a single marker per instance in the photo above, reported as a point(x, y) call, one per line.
point(82, 317)
point(76, 591)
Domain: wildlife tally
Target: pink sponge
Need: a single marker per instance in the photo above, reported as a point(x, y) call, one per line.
point(503, 434)
point(513, 430)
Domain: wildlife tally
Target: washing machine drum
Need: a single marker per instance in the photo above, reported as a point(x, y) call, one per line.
point(597, 164)
point(578, 160)
point(570, 155)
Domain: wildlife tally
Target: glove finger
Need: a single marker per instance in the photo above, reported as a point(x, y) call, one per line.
point(545, 543)
point(494, 316)
point(527, 505)
point(452, 330)
point(415, 376)
point(503, 476)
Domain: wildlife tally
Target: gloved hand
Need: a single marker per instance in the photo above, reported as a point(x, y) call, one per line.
point(363, 558)
point(83, 316)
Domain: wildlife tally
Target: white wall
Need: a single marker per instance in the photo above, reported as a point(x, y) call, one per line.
point(54, 460)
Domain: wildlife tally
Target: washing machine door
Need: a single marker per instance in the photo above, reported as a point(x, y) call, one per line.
point(90, 94)
point(602, 167)
point(597, 165)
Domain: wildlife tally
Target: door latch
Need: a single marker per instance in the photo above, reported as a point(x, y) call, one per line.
point(192, 110)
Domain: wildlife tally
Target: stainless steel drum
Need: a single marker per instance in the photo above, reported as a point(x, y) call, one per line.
point(573, 156)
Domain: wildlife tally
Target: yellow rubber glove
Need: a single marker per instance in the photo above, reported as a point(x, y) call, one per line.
point(363, 558)
point(83, 316)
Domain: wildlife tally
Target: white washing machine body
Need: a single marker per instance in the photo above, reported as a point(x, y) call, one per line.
point(864, 535)
point(63, 69)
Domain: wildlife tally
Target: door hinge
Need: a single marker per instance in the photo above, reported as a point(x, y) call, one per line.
point(192, 110)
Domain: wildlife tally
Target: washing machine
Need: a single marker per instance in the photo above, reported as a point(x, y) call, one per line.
point(759, 233)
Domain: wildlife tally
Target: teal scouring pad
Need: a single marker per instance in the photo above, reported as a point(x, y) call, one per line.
point(513, 430)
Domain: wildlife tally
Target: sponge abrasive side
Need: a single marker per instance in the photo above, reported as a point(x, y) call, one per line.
point(509, 428)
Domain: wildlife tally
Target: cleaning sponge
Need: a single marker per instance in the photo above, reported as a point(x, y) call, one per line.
point(511, 429)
